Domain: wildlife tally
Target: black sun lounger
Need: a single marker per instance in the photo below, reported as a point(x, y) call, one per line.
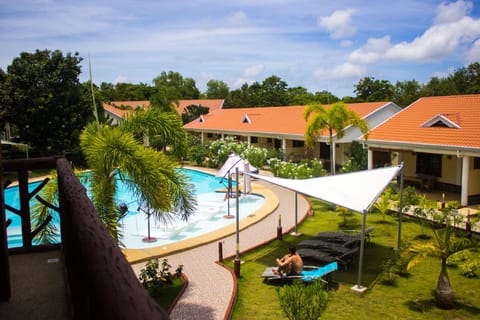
point(325, 257)
point(329, 247)
point(308, 274)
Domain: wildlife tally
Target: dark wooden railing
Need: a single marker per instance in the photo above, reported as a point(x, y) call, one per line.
point(102, 285)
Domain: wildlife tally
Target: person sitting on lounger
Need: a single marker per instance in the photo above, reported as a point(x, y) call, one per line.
point(290, 264)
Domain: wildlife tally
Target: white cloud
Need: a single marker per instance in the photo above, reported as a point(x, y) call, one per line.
point(343, 71)
point(253, 71)
point(440, 41)
point(473, 54)
point(120, 79)
point(339, 24)
point(238, 18)
point(346, 43)
point(450, 12)
point(372, 52)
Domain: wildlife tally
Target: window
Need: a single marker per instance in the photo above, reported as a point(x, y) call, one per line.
point(253, 139)
point(430, 164)
point(298, 143)
point(324, 151)
point(209, 135)
point(476, 163)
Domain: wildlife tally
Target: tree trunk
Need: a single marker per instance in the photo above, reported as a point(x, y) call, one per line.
point(444, 292)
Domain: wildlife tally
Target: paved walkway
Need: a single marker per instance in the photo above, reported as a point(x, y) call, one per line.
point(211, 286)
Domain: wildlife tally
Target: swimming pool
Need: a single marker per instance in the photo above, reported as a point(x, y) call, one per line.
point(209, 215)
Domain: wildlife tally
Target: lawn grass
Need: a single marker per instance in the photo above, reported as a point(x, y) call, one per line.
point(170, 293)
point(410, 298)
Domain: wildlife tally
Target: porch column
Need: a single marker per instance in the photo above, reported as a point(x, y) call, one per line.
point(249, 141)
point(202, 141)
point(284, 149)
point(370, 159)
point(223, 136)
point(333, 164)
point(465, 172)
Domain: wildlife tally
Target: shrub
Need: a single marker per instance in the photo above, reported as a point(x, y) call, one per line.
point(220, 149)
point(301, 301)
point(155, 277)
point(390, 273)
point(303, 170)
point(349, 166)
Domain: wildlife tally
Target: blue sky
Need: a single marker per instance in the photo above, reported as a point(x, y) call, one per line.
point(320, 45)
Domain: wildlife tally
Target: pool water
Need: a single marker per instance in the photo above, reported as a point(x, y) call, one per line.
point(210, 214)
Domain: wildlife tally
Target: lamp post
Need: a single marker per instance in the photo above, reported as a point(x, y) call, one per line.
point(236, 261)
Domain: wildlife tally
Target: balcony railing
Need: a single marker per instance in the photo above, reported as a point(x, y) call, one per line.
point(101, 284)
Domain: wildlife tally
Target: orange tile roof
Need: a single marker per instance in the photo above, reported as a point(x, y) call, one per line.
point(212, 104)
point(121, 113)
point(267, 120)
point(406, 125)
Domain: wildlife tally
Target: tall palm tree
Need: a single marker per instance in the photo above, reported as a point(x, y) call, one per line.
point(335, 119)
point(118, 153)
point(446, 244)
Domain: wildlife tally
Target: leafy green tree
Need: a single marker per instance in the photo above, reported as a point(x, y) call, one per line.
point(439, 87)
point(45, 101)
point(446, 243)
point(115, 153)
point(333, 119)
point(246, 96)
point(274, 92)
point(467, 80)
point(171, 87)
point(406, 92)
point(192, 112)
point(184, 88)
point(217, 89)
point(368, 89)
point(325, 97)
point(299, 96)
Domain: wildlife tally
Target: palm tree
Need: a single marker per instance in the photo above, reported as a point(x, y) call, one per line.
point(446, 244)
point(118, 153)
point(335, 119)
point(383, 204)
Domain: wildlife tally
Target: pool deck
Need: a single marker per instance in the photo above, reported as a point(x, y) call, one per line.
point(211, 287)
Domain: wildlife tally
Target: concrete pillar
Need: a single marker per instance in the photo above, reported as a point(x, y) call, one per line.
point(465, 172)
point(370, 159)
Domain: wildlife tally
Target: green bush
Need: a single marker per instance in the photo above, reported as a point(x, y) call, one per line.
point(301, 301)
point(303, 170)
point(156, 278)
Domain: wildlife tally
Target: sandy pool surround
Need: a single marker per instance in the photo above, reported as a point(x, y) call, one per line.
point(270, 205)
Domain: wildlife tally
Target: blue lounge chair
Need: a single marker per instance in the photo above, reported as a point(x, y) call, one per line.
point(308, 274)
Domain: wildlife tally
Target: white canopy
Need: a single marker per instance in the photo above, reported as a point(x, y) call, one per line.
point(234, 161)
point(357, 191)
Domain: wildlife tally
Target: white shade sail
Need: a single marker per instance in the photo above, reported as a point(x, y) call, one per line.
point(234, 161)
point(356, 191)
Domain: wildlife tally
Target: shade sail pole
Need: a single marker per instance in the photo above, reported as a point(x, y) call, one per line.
point(358, 287)
point(237, 219)
point(296, 212)
point(400, 210)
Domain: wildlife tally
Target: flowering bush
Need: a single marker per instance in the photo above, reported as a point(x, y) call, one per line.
point(303, 170)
